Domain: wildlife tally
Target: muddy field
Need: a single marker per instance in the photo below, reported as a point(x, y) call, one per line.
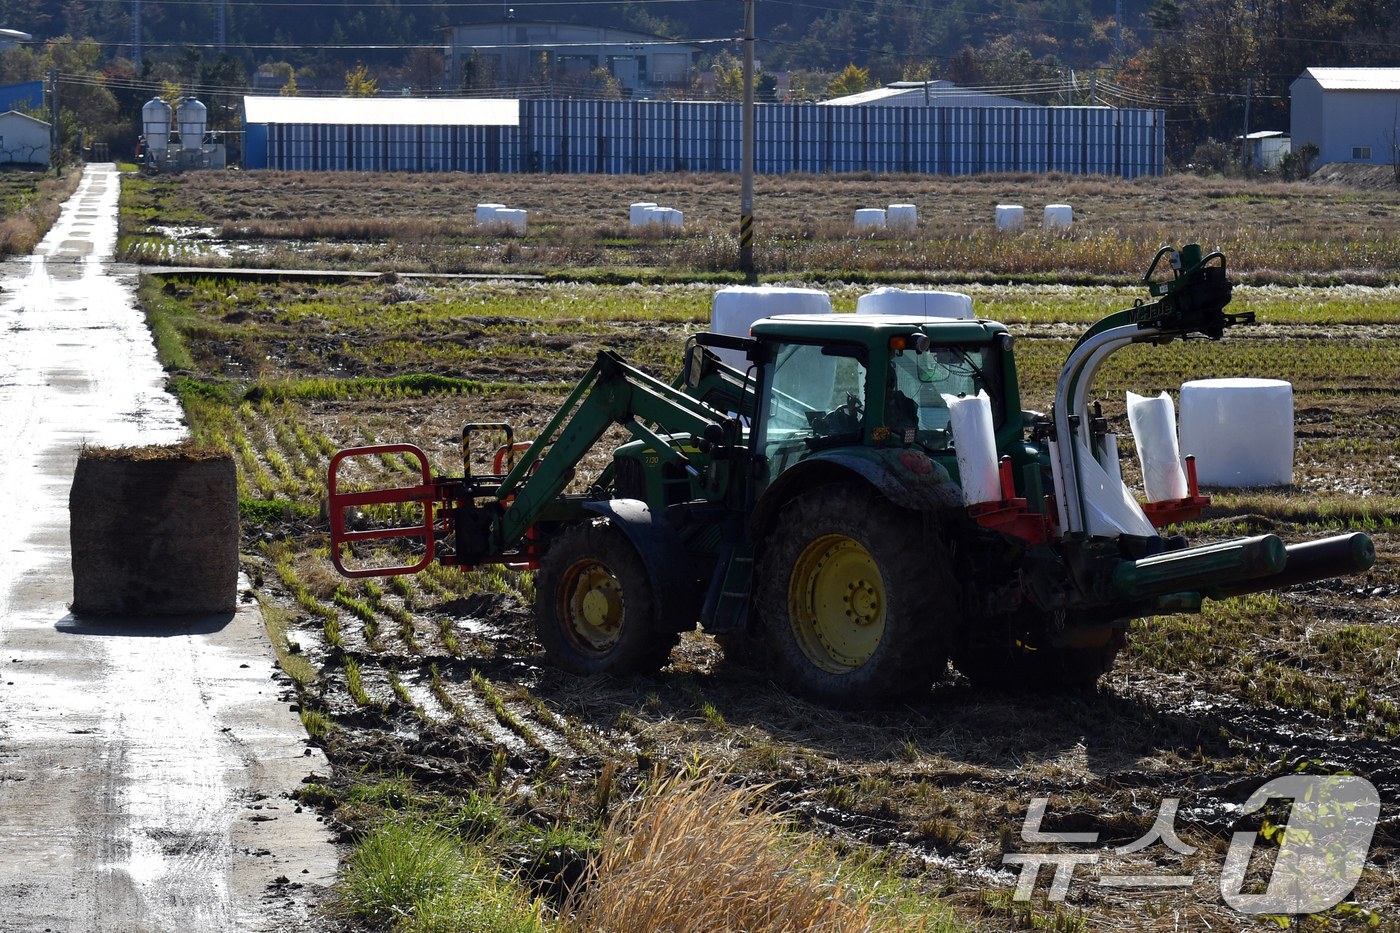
point(578, 225)
point(430, 693)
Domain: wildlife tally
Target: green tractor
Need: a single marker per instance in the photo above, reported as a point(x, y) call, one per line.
point(807, 509)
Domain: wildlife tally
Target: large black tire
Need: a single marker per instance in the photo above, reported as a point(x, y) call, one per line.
point(857, 598)
point(594, 609)
point(1017, 662)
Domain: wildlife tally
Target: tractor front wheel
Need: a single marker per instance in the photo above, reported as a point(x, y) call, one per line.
point(594, 609)
point(857, 598)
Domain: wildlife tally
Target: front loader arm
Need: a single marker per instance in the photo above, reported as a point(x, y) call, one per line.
point(493, 515)
point(610, 393)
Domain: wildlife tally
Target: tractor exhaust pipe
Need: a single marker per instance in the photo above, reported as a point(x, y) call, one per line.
point(1309, 562)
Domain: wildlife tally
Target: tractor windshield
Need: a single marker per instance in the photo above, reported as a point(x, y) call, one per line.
point(812, 394)
point(918, 382)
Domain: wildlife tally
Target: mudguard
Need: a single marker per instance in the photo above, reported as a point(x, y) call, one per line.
point(908, 478)
point(674, 586)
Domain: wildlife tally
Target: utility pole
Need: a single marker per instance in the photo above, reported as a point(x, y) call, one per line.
point(746, 190)
point(1119, 11)
point(222, 36)
point(136, 33)
point(53, 117)
point(1244, 140)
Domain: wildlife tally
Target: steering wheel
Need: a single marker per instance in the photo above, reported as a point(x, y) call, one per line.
point(843, 420)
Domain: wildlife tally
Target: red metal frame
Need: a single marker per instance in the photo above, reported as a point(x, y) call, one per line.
point(426, 493)
point(1010, 515)
point(508, 449)
point(1170, 511)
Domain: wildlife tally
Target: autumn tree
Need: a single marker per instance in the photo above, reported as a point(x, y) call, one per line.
point(851, 81)
point(358, 83)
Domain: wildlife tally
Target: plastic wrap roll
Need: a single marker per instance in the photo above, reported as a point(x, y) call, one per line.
point(1010, 217)
point(637, 215)
point(673, 219)
point(868, 217)
point(975, 442)
point(1153, 421)
point(486, 213)
point(1108, 456)
point(924, 303)
point(1109, 508)
point(1239, 430)
point(902, 217)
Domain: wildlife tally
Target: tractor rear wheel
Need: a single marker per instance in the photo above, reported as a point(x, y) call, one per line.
point(594, 609)
point(857, 598)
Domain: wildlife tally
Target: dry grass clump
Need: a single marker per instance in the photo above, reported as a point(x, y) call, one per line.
point(187, 451)
point(34, 212)
point(694, 855)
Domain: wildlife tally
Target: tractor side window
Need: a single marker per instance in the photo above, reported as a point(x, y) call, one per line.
point(813, 397)
point(918, 382)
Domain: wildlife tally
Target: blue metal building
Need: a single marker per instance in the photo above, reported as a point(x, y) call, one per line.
point(637, 137)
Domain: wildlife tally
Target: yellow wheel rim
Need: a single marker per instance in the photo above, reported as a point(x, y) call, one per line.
point(836, 602)
point(590, 606)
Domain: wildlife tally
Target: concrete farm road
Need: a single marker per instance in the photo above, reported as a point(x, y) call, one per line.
point(144, 763)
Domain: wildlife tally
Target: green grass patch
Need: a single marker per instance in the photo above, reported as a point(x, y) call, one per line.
point(411, 876)
point(318, 724)
point(270, 512)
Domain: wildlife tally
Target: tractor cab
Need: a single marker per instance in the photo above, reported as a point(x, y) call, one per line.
point(876, 382)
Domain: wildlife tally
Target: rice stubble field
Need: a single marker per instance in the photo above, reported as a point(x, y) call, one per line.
point(448, 729)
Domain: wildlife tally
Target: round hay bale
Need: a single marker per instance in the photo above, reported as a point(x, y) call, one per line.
point(154, 531)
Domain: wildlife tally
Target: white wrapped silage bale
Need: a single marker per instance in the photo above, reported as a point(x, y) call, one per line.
point(736, 307)
point(1011, 217)
point(1239, 430)
point(514, 219)
point(637, 215)
point(1153, 422)
point(974, 440)
point(870, 218)
point(486, 213)
point(672, 219)
point(1058, 217)
point(902, 217)
point(925, 303)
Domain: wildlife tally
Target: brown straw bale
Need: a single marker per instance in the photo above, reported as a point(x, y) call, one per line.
point(154, 531)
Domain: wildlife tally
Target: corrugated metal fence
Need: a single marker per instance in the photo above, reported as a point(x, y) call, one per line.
point(636, 137)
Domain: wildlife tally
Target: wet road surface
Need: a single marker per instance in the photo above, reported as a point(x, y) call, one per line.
point(143, 762)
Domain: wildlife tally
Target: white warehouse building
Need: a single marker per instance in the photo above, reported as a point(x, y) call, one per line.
point(24, 140)
point(1351, 114)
